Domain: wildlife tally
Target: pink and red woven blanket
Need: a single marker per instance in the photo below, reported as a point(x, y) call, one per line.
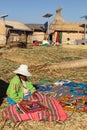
point(41, 107)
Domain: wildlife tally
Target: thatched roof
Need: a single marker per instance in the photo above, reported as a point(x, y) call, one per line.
point(16, 25)
point(58, 19)
point(66, 26)
point(58, 24)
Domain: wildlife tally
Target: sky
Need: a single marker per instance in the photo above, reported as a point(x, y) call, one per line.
point(32, 11)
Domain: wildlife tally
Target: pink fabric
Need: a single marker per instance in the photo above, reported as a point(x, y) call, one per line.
point(53, 112)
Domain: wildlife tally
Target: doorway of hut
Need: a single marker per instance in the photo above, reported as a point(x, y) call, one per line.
point(59, 37)
point(50, 38)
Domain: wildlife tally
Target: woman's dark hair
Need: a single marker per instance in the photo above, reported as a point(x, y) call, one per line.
point(19, 75)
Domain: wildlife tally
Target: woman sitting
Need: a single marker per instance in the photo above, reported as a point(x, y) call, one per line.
point(20, 88)
point(21, 93)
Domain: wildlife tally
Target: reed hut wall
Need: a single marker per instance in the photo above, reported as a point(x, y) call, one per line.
point(2, 34)
point(12, 31)
point(69, 37)
point(36, 36)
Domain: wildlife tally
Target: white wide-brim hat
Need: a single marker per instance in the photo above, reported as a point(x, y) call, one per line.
point(23, 70)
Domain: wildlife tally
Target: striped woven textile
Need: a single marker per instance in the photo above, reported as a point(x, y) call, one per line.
point(27, 106)
point(53, 112)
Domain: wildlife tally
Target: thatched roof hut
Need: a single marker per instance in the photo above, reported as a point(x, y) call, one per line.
point(11, 30)
point(59, 24)
point(62, 31)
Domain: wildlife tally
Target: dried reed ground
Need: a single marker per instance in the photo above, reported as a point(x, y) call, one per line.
point(61, 62)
